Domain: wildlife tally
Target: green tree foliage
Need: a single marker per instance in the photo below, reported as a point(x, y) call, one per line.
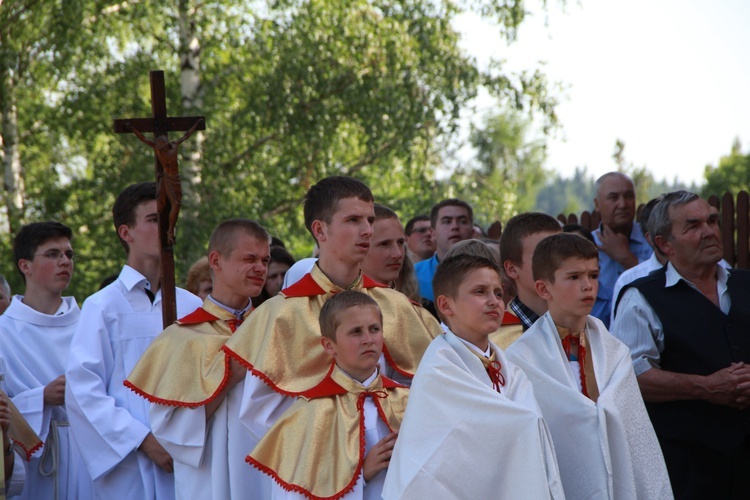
point(293, 90)
point(509, 168)
point(732, 173)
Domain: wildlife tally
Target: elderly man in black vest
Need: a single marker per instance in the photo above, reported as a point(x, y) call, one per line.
point(688, 329)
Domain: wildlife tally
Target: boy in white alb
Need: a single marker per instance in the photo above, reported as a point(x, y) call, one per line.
point(585, 384)
point(472, 427)
point(194, 390)
point(356, 410)
point(118, 323)
point(35, 335)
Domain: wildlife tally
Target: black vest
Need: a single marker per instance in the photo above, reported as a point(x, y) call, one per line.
point(700, 339)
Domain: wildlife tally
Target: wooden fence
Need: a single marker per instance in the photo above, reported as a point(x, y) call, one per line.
point(735, 226)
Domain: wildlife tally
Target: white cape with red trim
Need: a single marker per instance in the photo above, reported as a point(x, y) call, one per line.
point(35, 348)
point(462, 439)
point(606, 449)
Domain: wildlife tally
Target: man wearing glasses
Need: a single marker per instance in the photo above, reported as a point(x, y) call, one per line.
point(419, 238)
point(35, 334)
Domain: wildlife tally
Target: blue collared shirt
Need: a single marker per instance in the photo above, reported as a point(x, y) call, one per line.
point(425, 270)
point(610, 270)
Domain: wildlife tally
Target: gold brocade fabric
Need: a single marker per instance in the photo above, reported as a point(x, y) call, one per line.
point(280, 341)
point(317, 446)
point(506, 335)
point(587, 366)
point(21, 433)
point(184, 365)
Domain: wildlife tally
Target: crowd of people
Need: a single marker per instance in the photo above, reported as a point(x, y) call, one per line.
point(387, 365)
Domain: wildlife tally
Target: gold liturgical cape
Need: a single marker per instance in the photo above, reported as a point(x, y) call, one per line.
point(184, 365)
point(280, 341)
point(511, 329)
point(324, 434)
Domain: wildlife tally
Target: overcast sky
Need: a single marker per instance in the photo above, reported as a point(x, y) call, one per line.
point(670, 78)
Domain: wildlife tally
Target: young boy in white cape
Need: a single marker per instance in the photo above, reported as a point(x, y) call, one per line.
point(472, 427)
point(584, 381)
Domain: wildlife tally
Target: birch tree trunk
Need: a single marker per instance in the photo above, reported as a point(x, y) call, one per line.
point(192, 91)
point(13, 181)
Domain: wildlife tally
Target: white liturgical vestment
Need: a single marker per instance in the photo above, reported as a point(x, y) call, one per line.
point(606, 449)
point(461, 438)
point(35, 348)
point(108, 420)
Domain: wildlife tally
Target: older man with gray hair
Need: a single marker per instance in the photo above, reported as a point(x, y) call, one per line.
point(687, 328)
point(621, 243)
point(4, 294)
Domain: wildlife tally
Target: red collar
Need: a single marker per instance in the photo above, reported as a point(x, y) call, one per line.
point(510, 319)
point(196, 317)
point(308, 287)
point(329, 387)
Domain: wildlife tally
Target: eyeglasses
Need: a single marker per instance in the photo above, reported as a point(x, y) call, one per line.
point(421, 230)
point(57, 255)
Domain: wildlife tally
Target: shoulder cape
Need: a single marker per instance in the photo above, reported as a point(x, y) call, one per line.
point(185, 366)
point(280, 342)
point(326, 464)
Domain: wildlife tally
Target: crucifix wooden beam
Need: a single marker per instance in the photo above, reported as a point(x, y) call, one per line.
point(168, 190)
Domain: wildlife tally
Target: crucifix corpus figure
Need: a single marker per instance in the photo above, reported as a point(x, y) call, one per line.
point(168, 176)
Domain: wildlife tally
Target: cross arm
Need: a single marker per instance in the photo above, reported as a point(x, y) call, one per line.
point(159, 125)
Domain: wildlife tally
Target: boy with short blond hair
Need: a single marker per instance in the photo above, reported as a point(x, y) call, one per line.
point(360, 410)
point(472, 428)
point(584, 381)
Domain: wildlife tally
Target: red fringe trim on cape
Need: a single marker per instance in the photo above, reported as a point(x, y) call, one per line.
point(30, 452)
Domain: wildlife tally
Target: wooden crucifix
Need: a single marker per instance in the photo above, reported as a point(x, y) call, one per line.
point(169, 189)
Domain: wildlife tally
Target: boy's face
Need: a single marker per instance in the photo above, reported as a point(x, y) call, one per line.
point(453, 225)
point(521, 272)
point(477, 308)
point(347, 237)
point(386, 255)
point(52, 266)
point(243, 272)
point(143, 237)
point(571, 297)
point(359, 341)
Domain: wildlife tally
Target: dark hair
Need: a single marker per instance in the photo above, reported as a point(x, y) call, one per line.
point(452, 272)
point(277, 242)
point(553, 250)
point(522, 226)
point(123, 211)
point(222, 238)
point(580, 231)
point(383, 212)
point(32, 235)
point(450, 202)
point(278, 254)
point(332, 311)
point(322, 199)
point(410, 225)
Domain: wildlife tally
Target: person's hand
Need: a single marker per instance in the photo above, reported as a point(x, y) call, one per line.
point(379, 456)
point(617, 246)
point(54, 392)
point(156, 453)
point(729, 386)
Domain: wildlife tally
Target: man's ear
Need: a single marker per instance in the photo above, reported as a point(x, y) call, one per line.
point(444, 305)
point(511, 270)
point(23, 265)
point(596, 203)
point(663, 244)
point(214, 259)
point(542, 289)
point(124, 232)
point(328, 345)
point(318, 230)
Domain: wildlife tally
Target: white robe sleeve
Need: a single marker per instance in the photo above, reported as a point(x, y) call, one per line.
point(181, 431)
point(261, 406)
point(105, 432)
point(31, 405)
